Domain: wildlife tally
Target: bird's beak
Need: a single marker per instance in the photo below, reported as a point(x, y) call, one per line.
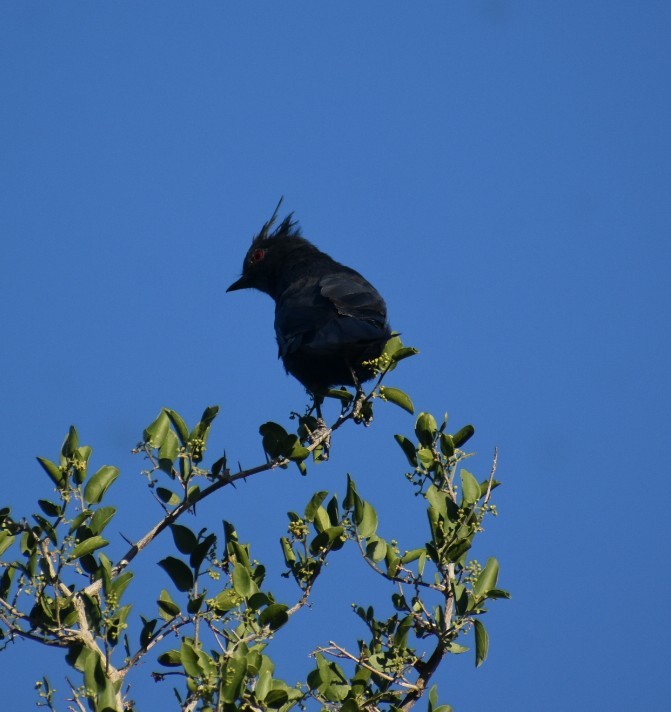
point(242, 283)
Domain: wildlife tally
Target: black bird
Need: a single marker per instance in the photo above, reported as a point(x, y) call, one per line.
point(328, 318)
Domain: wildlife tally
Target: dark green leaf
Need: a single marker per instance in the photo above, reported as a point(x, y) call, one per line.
point(274, 616)
point(71, 443)
point(326, 538)
point(178, 571)
point(172, 658)
point(49, 508)
point(408, 448)
point(465, 434)
point(446, 445)
point(275, 698)
point(58, 477)
point(274, 437)
point(201, 430)
point(147, 632)
point(201, 550)
point(185, 540)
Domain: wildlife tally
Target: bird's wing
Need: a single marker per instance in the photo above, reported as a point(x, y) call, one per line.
point(353, 296)
point(310, 316)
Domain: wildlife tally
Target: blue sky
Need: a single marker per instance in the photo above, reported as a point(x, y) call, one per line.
point(499, 170)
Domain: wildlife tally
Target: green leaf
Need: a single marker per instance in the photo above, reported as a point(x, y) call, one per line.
point(314, 505)
point(168, 452)
point(348, 502)
point(242, 581)
point(226, 600)
point(120, 584)
point(178, 571)
point(326, 538)
point(202, 429)
point(426, 428)
point(470, 487)
point(412, 555)
point(369, 521)
point(88, 546)
point(101, 518)
point(155, 434)
point(403, 353)
point(179, 425)
point(274, 616)
point(398, 397)
point(481, 642)
point(433, 702)
point(233, 679)
point(167, 497)
point(6, 540)
point(340, 394)
point(58, 477)
point(488, 577)
point(98, 485)
point(167, 607)
point(408, 448)
point(466, 433)
point(402, 632)
point(426, 458)
point(189, 659)
point(376, 549)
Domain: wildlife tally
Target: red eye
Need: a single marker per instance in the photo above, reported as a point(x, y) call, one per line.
point(257, 256)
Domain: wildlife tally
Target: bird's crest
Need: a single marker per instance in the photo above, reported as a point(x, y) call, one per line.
point(287, 228)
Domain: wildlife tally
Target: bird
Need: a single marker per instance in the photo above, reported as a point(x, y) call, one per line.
point(329, 320)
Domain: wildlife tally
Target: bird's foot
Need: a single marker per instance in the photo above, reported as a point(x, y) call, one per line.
point(321, 438)
point(362, 409)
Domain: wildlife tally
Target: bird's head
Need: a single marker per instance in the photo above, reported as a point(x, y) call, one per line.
point(267, 258)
